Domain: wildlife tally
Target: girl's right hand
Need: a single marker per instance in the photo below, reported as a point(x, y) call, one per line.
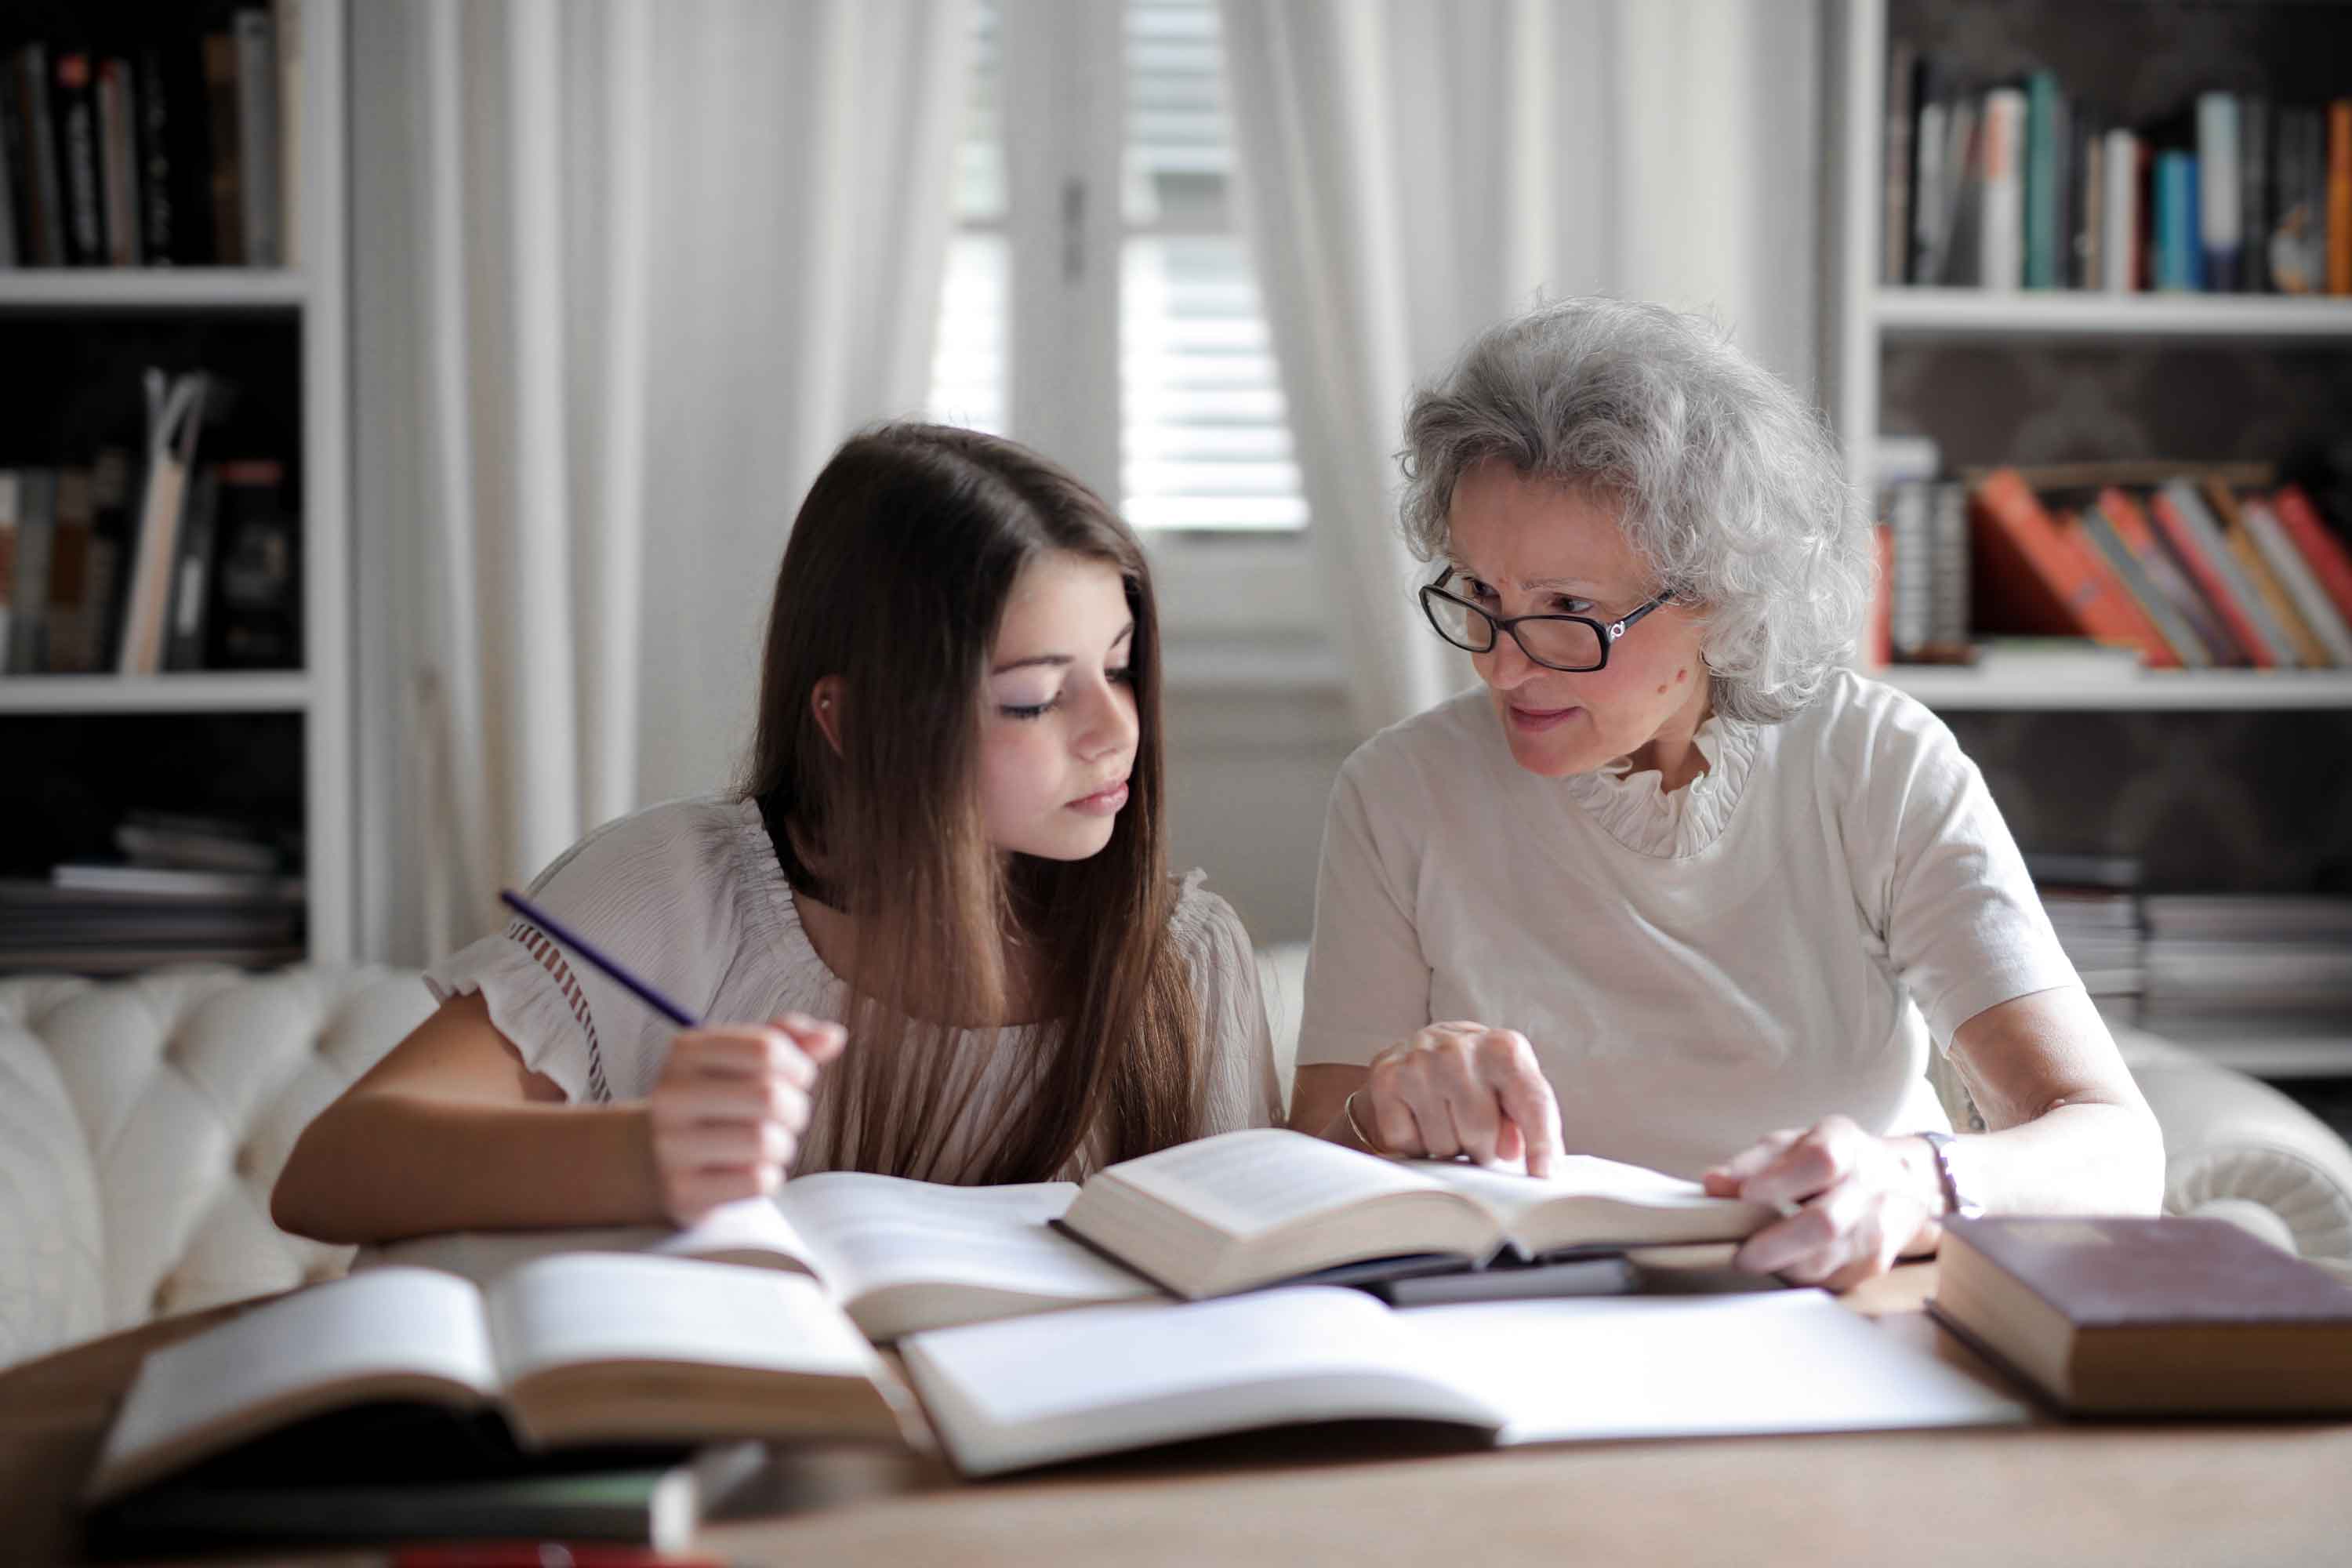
point(731, 1107)
point(1462, 1089)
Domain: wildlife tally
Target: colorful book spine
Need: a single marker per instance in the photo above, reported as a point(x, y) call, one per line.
point(2177, 249)
point(2188, 649)
point(2122, 514)
point(2339, 196)
point(2197, 544)
point(1894, 265)
point(2272, 595)
point(2120, 611)
point(2294, 576)
point(2218, 205)
point(2000, 229)
point(2328, 556)
point(2119, 212)
point(2043, 133)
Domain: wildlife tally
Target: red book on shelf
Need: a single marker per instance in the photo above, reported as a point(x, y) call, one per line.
point(2191, 552)
point(2124, 515)
point(2115, 594)
point(2328, 559)
point(2033, 578)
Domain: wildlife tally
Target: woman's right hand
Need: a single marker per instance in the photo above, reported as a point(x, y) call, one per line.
point(1462, 1089)
point(730, 1109)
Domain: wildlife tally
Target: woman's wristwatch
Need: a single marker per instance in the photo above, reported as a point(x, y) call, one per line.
point(1959, 1197)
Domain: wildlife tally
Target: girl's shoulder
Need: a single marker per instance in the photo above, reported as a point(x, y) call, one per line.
point(1205, 929)
point(675, 843)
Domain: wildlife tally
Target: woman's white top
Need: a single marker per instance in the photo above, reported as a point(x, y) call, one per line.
point(1698, 969)
point(689, 897)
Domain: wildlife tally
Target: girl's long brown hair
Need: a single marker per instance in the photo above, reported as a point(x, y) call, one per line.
point(896, 575)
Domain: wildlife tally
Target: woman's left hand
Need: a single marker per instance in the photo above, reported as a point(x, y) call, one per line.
point(1863, 1201)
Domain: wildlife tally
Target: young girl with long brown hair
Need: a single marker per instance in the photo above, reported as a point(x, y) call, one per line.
point(936, 908)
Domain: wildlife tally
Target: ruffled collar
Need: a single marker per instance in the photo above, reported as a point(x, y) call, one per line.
point(1634, 809)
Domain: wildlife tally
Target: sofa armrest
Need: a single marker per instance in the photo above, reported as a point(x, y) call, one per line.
point(2240, 1149)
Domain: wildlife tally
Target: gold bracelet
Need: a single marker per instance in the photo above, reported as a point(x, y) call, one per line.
point(1347, 1110)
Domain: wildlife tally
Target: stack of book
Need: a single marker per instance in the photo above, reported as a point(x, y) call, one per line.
point(188, 891)
point(160, 564)
point(181, 151)
point(2194, 568)
point(2016, 184)
point(2221, 964)
point(2093, 904)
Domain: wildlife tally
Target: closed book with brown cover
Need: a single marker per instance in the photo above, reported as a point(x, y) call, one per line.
point(2141, 1316)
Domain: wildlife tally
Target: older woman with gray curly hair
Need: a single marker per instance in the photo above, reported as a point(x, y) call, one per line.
point(1676, 886)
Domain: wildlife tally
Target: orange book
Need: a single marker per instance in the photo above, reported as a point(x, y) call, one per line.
point(2325, 553)
point(2190, 551)
point(2033, 578)
point(2339, 196)
point(2309, 651)
point(2155, 650)
point(1881, 647)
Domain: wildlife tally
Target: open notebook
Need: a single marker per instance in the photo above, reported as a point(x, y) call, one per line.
point(897, 1255)
point(1010, 1395)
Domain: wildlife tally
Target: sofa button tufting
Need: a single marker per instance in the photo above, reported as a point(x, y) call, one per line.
point(162, 1304)
point(246, 1161)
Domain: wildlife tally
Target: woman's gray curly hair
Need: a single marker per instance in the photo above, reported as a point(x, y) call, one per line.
point(1729, 487)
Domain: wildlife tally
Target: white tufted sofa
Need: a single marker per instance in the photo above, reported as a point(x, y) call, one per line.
point(142, 1123)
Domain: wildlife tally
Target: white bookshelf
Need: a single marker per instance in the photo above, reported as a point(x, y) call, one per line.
point(1913, 313)
point(1861, 318)
point(154, 288)
point(314, 296)
point(222, 692)
point(2207, 691)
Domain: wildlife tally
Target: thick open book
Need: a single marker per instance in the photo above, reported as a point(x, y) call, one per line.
point(1009, 1396)
point(897, 1255)
point(1245, 1209)
point(564, 1352)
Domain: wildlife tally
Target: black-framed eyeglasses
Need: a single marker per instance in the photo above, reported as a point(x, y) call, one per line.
point(1556, 642)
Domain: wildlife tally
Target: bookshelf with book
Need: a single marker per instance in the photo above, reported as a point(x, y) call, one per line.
point(2087, 322)
point(173, 485)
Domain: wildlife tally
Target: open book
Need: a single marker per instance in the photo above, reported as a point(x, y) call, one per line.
point(897, 1255)
point(591, 1349)
point(1008, 1395)
point(1245, 1209)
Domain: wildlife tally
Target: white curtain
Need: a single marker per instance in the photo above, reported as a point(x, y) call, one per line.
point(1412, 172)
point(624, 274)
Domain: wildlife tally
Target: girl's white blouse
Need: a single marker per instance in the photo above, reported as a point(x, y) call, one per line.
point(689, 895)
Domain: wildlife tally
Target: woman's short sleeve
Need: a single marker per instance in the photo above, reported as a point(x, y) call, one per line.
point(1964, 927)
point(1367, 979)
point(650, 890)
point(1241, 1089)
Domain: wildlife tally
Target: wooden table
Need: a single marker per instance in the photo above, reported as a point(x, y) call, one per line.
point(2222, 1493)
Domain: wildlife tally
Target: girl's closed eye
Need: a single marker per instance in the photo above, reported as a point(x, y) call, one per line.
point(1036, 709)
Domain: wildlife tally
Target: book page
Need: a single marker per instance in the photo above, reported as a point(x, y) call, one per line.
point(871, 1233)
point(605, 1307)
point(301, 1355)
point(1590, 1182)
point(750, 1231)
point(1029, 1391)
point(1253, 1181)
point(1665, 1366)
